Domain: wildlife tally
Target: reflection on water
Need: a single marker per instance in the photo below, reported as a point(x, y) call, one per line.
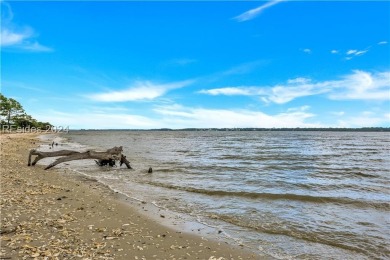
point(291, 195)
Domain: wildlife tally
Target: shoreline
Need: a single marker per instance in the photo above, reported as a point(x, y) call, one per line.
point(51, 214)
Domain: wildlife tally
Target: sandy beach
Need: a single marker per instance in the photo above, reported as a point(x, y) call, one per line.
point(47, 216)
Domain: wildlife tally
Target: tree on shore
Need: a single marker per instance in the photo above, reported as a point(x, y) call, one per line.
point(12, 113)
point(9, 109)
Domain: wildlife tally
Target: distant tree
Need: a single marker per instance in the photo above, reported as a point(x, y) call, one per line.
point(24, 120)
point(10, 108)
point(12, 112)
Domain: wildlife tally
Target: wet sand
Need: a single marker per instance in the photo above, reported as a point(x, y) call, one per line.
point(47, 214)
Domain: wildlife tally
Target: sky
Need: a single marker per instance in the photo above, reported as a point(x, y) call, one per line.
point(178, 64)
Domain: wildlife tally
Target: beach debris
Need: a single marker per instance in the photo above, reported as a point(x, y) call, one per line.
point(103, 158)
point(215, 258)
point(109, 162)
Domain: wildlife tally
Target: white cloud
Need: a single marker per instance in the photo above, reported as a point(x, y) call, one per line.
point(353, 53)
point(298, 81)
point(283, 94)
point(180, 117)
point(364, 119)
point(253, 13)
point(358, 53)
point(334, 51)
point(302, 108)
point(229, 91)
point(361, 85)
point(9, 38)
point(308, 51)
point(16, 37)
point(382, 43)
point(97, 120)
point(358, 85)
point(176, 117)
point(144, 90)
point(34, 47)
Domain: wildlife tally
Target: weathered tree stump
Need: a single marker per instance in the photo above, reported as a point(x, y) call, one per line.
point(114, 153)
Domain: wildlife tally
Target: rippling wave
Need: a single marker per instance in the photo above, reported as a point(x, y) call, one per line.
point(285, 196)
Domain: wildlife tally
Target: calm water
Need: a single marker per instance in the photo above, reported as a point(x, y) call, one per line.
point(289, 195)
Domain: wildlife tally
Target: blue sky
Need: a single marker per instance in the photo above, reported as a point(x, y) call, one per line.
point(198, 64)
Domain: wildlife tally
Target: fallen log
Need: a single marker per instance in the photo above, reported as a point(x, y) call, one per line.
point(114, 153)
point(41, 155)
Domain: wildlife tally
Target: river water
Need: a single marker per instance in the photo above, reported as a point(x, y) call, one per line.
point(287, 195)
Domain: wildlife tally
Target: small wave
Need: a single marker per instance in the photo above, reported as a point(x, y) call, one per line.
point(337, 239)
point(183, 151)
point(279, 196)
point(362, 174)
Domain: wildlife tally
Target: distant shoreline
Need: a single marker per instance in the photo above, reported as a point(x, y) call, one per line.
point(298, 129)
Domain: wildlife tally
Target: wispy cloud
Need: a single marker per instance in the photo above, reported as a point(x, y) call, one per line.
point(97, 120)
point(179, 116)
point(307, 50)
point(356, 52)
point(230, 91)
point(34, 46)
point(286, 93)
point(241, 69)
point(253, 13)
point(9, 38)
point(17, 37)
point(143, 90)
point(279, 94)
point(359, 85)
point(364, 119)
point(5, 84)
point(349, 54)
point(181, 61)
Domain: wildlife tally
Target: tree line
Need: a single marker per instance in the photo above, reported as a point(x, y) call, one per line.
point(13, 114)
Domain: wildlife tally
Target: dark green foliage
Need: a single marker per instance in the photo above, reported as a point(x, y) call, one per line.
point(12, 113)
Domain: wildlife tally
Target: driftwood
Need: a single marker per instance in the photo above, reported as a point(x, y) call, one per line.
point(110, 162)
point(68, 155)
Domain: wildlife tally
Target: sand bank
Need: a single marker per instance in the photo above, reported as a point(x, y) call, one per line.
point(45, 214)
